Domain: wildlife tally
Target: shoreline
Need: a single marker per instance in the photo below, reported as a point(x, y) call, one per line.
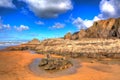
point(14, 66)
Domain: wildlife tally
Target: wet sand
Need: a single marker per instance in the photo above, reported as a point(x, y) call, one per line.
point(14, 65)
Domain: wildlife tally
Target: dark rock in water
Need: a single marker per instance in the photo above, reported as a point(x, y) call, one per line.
point(55, 64)
point(43, 62)
point(50, 67)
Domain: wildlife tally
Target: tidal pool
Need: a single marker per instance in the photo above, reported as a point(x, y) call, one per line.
point(34, 67)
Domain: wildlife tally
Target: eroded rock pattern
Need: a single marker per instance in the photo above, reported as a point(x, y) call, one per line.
point(88, 47)
point(101, 29)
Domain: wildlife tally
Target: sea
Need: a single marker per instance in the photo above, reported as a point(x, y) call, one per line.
point(5, 44)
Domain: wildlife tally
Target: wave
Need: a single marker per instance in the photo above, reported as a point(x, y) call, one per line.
point(4, 44)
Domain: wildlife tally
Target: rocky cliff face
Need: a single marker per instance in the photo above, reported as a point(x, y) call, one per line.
point(101, 29)
point(78, 35)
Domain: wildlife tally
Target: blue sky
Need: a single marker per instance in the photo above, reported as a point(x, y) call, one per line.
point(28, 19)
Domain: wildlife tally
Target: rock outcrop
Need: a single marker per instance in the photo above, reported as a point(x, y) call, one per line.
point(68, 36)
point(34, 42)
point(89, 48)
point(78, 35)
point(101, 29)
point(54, 64)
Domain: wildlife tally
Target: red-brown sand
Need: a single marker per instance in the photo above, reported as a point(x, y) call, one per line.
point(14, 66)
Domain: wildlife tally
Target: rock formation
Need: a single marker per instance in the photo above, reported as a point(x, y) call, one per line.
point(90, 48)
point(78, 35)
point(54, 64)
point(87, 47)
point(68, 36)
point(101, 29)
point(34, 41)
point(95, 42)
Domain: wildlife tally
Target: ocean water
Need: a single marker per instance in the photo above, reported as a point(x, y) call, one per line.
point(5, 44)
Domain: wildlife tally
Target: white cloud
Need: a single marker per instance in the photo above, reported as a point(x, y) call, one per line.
point(109, 9)
point(7, 26)
point(96, 18)
point(4, 26)
point(84, 24)
point(57, 26)
point(49, 8)
point(7, 4)
point(22, 28)
point(39, 22)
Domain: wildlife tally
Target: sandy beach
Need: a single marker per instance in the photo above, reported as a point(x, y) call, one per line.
point(14, 65)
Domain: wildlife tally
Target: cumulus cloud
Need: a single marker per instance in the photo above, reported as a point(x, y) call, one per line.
point(84, 24)
point(4, 26)
point(109, 8)
point(7, 26)
point(39, 22)
point(7, 4)
point(49, 8)
point(57, 26)
point(22, 28)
